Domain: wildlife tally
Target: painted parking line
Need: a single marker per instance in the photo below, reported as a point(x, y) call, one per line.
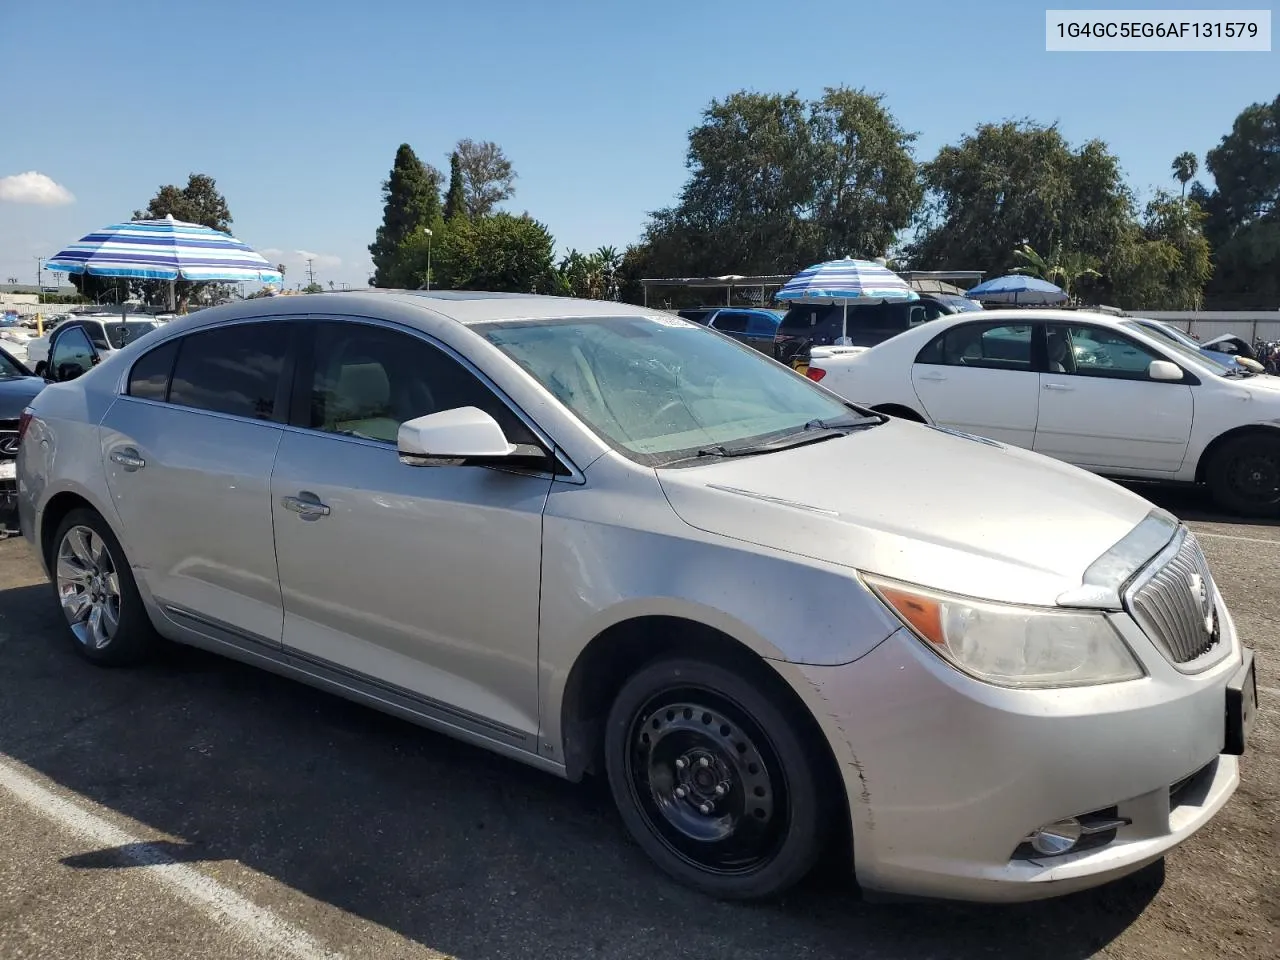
point(254, 925)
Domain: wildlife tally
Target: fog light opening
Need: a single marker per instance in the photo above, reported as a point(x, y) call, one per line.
point(1055, 839)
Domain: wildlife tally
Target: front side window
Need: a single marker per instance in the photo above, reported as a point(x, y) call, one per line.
point(1088, 351)
point(233, 369)
point(72, 354)
point(989, 346)
point(368, 380)
point(660, 389)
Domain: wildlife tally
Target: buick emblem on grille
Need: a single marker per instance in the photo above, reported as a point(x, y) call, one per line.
point(1200, 591)
point(9, 446)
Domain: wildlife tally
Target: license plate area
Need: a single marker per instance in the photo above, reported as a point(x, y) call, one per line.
point(1242, 706)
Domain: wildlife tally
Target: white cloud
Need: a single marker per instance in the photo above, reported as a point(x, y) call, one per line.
point(33, 187)
point(297, 259)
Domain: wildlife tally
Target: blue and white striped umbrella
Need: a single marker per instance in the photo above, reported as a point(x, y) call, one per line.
point(165, 249)
point(844, 280)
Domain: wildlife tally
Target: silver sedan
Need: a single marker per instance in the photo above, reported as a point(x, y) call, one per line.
point(601, 539)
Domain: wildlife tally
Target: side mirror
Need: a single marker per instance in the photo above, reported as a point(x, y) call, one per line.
point(1164, 370)
point(451, 437)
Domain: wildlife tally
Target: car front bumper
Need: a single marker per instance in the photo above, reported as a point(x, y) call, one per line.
point(946, 776)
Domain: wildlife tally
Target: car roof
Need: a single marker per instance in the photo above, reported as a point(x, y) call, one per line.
point(463, 306)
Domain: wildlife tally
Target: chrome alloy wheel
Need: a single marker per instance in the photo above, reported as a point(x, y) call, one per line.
point(88, 587)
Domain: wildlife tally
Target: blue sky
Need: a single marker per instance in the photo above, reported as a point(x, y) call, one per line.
point(297, 108)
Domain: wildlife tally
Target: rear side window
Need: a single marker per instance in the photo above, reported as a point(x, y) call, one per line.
point(761, 325)
point(234, 369)
point(731, 321)
point(149, 378)
point(988, 346)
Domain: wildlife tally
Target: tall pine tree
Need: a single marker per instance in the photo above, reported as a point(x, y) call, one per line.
point(455, 202)
point(411, 196)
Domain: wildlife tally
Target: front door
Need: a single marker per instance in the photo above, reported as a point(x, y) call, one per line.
point(979, 378)
point(188, 455)
point(422, 582)
point(1100, 410)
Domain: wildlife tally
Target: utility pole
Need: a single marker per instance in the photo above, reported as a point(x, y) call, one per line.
point(39, 274)
point(311, 274)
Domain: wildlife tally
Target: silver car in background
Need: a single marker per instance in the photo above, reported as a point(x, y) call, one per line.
point(597, 538)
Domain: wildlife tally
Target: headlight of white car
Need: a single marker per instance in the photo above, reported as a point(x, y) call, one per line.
point(1010, 645)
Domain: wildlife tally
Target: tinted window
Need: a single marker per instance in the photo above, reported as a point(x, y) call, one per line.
point(1097, 352)
point(233, 369)
point(701, 315)
point(72, 354)
point(368, 380)
point(149, 378)
point(731, 321)
point(987, 346)
point(97, 335)
point(762, 325)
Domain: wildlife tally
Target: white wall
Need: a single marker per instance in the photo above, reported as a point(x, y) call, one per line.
point(1250, 324)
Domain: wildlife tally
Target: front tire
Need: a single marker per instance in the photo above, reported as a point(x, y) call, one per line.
point(97, 593)
point(1244, 475)
point(714, 781)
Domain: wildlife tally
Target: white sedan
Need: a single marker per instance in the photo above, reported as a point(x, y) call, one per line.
point(1096, 391)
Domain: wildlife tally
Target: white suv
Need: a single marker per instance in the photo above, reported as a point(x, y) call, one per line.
point(1100, 392)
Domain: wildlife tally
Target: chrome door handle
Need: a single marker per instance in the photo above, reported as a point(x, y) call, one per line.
point(1058, 386)
point(306, 505)
point(128, 458)
point(932, 376)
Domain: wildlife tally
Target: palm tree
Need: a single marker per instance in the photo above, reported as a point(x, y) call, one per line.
point(1184, 167)
point(1063, 267)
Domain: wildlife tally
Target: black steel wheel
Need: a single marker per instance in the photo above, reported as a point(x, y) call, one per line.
point(1244, 475)
point(713, 780)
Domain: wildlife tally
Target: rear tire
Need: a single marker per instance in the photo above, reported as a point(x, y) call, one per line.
point(714, 781)
point(106, 619)
point(1244, 475)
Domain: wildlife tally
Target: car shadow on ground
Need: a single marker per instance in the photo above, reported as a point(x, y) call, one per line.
point(1191, 503)
point(462, 851)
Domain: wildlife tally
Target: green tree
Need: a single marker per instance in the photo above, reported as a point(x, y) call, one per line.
point(1013, 184)
point(313, 287)
point(1184, 169)
point(411, 200)
point(1162, 263)
point(500, 252)
point(1244, 211)
point(487, 175)
point(198, 202)
point(777, 183)
point(455, 201)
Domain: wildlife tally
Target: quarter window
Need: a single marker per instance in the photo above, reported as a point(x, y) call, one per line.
point(1097, 352)
point(368, 380)
point(72, 354)
point(149, 378)
point(234, 369)
point(987, 346)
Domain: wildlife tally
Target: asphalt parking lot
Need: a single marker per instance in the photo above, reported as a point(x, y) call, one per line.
point(197, 808)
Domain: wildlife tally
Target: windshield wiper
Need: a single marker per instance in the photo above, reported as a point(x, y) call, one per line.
point(844, 420)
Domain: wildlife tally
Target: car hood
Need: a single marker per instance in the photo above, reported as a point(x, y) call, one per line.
point(16, 393)
point(920, 504)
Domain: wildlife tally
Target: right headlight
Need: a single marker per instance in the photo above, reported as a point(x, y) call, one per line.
point(1011, 645)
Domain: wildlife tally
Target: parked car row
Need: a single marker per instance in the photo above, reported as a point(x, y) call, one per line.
point(602, 539)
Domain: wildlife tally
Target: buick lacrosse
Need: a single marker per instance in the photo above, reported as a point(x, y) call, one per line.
point(602, 539)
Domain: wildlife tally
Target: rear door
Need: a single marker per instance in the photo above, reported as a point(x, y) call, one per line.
point(1099, 410)
point(188, 453)
point(981, 378)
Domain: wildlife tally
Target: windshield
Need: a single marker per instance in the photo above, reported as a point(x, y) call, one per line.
point(9, 370)
point(661, 389)
point(121, 333)
point(1171, 341)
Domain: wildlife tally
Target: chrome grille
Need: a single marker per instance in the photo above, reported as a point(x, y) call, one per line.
point(8, 439)
point(1175, 606)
